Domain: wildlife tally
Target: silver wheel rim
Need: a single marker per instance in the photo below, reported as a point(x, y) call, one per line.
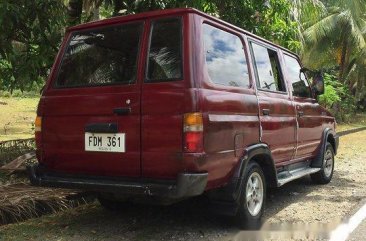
point(254, 193)
point(328, 163)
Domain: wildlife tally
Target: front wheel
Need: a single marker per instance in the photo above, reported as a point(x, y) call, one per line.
point(252, 197)
point(326, 173)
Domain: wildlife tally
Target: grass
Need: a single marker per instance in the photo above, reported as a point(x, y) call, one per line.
point(17, 117)
point(358, 120)
point(61, 226)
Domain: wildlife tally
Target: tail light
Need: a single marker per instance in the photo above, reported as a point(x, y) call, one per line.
point(38, 133)
point(193, 132)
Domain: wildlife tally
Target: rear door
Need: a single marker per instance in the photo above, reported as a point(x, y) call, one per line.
point(165, 99)
point(91, 111)
point(276, 110)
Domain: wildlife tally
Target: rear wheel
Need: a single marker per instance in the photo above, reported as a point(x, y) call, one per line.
point(326, 173)
point(252, 197)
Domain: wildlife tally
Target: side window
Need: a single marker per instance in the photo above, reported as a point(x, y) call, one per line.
point(165, 53)
point(268, 69)
point(299, 84)
point(225, 58)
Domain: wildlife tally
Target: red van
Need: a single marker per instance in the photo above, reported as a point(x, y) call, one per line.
point(172, 104)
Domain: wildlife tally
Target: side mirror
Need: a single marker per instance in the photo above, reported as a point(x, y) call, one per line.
point(318, 80)
point(318, 83)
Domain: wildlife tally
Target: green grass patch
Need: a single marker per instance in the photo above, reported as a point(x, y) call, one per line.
point(17, 117)
point(357, 120)
point(66, 225)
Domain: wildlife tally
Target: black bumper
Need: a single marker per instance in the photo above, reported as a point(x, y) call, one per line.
point(186, 184)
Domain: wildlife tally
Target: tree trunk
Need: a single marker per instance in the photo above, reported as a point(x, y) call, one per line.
point(345, 56)
point(96, 15)
point(74, 11)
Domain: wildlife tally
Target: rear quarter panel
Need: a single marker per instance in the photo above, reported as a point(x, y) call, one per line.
point(231, 121)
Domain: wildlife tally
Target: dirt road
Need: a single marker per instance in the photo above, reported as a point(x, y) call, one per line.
point(299, 206)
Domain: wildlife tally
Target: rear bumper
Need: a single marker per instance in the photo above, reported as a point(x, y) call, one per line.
point(186, 184)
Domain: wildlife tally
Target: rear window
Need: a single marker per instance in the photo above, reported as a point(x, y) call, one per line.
point(103, 56)
point(165, 53)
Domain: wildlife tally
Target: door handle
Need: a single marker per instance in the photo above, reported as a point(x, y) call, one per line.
point(102, 128)
point(300, 113)
point(265, 111)
point(122, 111)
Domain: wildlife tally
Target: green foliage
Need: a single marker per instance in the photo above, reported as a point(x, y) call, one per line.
point(31, 32)
point(20, 94)
point(269, 19)
point(331, 93)
point(336, 39)
point(17, 93)
point(5, 93)
point(329, 97)
point(338, 99)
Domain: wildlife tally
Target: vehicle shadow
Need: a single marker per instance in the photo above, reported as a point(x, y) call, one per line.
point(191, 219)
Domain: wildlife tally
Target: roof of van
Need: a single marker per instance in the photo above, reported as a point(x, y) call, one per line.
point(167, 12)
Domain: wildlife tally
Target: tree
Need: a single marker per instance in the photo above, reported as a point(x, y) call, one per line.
point(29, 40)
point(270, 19)
point(31, 31)
point(336, 39)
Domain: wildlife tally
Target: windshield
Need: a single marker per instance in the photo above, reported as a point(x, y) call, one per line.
point(101, 56)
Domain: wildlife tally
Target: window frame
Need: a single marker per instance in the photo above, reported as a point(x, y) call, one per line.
point(73, 33)
point(306, 78)
point(151, 28)
point(286, 92)
point(245, 51)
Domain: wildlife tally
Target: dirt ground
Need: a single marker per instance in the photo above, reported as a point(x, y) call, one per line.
point(309, 211)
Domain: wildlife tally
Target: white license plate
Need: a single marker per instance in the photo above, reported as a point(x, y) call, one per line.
point(104, 142)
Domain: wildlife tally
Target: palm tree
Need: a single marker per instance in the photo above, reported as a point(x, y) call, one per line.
point(335, 36)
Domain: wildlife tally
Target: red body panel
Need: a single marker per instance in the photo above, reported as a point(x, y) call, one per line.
point(67, 112)
point(310, 126)
point(279, 127)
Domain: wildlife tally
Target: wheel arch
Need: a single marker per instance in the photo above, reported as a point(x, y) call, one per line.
point(267, 165)
point(224, 200)
point(332, 141)
point(328, 136)
point(259, 153)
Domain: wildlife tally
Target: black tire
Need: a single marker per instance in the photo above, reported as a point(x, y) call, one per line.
point(112, 205)
point(326, 173)
point(245, 217)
